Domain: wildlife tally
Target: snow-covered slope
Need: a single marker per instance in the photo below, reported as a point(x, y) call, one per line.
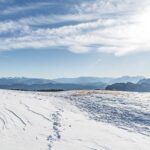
point(75, 120)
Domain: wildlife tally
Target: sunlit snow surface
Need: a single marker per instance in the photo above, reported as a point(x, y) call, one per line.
point(74, 120)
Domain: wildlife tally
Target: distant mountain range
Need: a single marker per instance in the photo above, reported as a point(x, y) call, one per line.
point(106, 80)
point(142, 86)
point(53, 86)
point(26, 81)
point(64, 83)
point(83, 80)
point(126, 79)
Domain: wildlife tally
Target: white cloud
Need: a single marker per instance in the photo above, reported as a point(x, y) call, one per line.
point(108, 26)
point(11, 26)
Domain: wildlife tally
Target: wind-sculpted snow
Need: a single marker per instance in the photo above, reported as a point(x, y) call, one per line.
point(27, 121)
point(130, 111)
point(75, 120)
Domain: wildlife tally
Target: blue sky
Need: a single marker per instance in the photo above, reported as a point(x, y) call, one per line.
point(67, 38)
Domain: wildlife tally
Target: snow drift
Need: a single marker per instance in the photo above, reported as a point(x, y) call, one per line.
point(75, 120)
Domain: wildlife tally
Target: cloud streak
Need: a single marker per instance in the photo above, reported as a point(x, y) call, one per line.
point(27, 7)
point(108, 26)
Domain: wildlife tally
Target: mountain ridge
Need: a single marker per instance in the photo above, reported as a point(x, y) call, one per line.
point(80, 83)
point(141, 86)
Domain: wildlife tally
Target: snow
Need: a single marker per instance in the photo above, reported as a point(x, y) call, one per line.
point(74, 120)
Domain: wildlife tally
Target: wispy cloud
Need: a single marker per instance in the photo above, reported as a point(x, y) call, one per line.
point(27, 7)
point(108, 26)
